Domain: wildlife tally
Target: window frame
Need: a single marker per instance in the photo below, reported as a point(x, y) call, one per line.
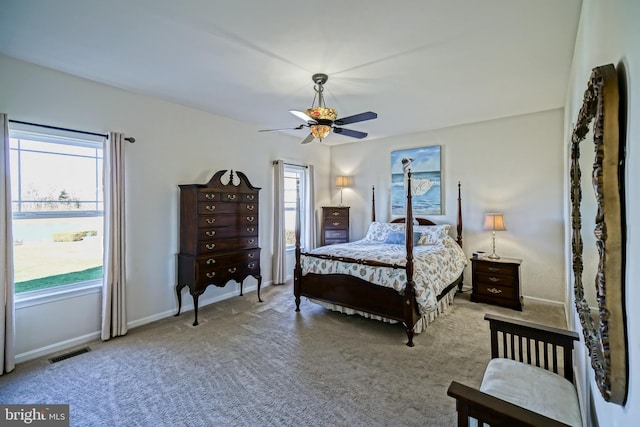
point(67, 138)
point(301, 174)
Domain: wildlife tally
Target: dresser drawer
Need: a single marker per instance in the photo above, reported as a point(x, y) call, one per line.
point(239, 243)
point(494, 279)
point(330, 214)
point(227, 232)
point(208, 221)
point(336, 224)
point(336, 234)
point(241, 208)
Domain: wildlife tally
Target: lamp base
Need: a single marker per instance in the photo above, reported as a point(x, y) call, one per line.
point(494, 256)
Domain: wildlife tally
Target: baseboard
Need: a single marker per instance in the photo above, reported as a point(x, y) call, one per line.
point(54, 348)
point(74, 342)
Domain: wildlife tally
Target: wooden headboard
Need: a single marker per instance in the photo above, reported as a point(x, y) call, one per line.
point(421, 221)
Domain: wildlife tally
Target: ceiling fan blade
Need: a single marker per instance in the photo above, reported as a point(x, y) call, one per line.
point(349, 132)
point(269, 130)
point(302, 116)
point(308, 139)
point(369, 115)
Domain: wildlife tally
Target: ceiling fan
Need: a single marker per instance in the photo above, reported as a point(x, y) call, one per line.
point(321, 120)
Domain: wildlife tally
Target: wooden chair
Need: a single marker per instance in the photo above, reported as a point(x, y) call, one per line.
point(521, 345)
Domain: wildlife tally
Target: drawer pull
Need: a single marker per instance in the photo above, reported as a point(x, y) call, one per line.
point(211, 261)
point(335, 213)
point(211, 274)
point(251, 218)
point(232, 270)
point(210, 233)
point(494, 290)
point(251, 265)
point(251, 207)
point(210, 245)
point(231, 196)
point(251, 255)
point(494, 269)
point(494, 279)
point(251, 229)
point(336, 223)
point(211, 220)
point(210, 208)
point(251, 241)
point(209, 196)
point(251, 197)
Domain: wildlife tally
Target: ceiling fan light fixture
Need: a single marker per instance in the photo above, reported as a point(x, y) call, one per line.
point(322, 113)
point(320, 131)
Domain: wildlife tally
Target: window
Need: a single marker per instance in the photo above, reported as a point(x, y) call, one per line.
point(294, 177)
point(58, 204)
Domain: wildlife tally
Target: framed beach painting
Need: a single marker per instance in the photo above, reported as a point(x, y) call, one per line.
point(424, 164)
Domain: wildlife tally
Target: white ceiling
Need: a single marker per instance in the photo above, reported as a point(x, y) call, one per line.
point(420, 64)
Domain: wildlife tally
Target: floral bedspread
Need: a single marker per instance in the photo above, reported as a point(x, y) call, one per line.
point(435, 266)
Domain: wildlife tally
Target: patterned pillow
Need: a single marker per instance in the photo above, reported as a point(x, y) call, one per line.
point(432, 234)
point(378, 231)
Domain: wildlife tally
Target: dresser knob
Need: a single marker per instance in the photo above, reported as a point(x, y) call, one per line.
point(211, 261)
point(251, 218)
point(251, 207)
point(493, 269)
point(209, 196)
point(231, 196)
point(232, 270)
point(251, 229)
point(335, 213)
point(495, 291)
point(250, 197)
point(251, 265)
point(210, 245)
point(494, 279)
point(211, 220)
point(211, 274)
point(251, 255)
point(210, 233)
point(210, 208)
point(336, 223)
point(251, 241)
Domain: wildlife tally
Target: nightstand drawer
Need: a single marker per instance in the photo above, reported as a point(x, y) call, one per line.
point(331, 214)
point(494, 291)
point(336, 234)
point(496, 269)
point(494, 279)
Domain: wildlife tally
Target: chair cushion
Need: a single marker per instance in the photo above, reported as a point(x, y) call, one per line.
point(533, 388)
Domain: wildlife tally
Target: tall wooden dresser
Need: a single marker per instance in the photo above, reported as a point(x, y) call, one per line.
point(335, 225)
point(218, 235)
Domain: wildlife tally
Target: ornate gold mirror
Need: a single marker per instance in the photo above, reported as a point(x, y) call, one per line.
point(604, 333)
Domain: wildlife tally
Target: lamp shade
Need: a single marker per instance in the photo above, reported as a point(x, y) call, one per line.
point(494, 222)
point(342, 182)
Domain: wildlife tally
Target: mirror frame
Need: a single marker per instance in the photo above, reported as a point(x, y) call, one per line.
point(606, 342)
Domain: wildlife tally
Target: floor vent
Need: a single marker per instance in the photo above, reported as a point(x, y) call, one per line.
point(69, 355)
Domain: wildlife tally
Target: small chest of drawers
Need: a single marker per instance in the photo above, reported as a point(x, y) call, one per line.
point(496, 281)
point(335, 225)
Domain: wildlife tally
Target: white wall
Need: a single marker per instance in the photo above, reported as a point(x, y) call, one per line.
point(512, 165)
point(609, 34)
point(174, 145)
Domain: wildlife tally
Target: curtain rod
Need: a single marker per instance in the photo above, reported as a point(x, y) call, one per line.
point(130, 139)
point(291, 164)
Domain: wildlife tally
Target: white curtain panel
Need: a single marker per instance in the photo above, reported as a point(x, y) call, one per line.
point(114, 315)
point(7, 306)
point(279, 242)
point(309, 231)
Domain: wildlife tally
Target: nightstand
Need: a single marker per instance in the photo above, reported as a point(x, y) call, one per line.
point(496, 281)
point(335, 225)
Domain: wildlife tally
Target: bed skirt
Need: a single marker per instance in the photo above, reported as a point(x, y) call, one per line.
point(421, 324)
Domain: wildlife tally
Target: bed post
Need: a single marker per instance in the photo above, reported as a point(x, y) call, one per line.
point(409, 291)
point(373, 203)
point(459, 231)
point(297, 272)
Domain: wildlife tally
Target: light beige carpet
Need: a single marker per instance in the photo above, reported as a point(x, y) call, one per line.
point(263, 364)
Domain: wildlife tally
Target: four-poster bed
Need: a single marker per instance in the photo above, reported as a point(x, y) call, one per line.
point(378, 280)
